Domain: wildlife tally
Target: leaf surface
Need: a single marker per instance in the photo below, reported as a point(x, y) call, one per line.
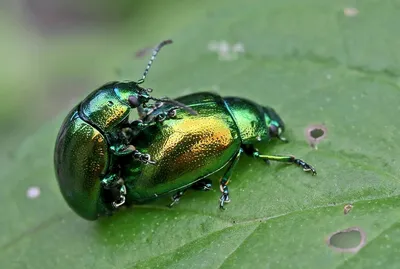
point(309, 61)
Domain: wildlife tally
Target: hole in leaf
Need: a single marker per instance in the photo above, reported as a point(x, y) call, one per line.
point(315, 134)
point(348, 240)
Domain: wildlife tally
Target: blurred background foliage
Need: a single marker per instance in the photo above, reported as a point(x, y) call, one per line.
point(55, 52)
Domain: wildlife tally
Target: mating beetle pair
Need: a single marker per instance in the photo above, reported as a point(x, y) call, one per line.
point(104, 161)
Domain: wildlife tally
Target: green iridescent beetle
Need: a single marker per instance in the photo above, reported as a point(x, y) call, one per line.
point(185, 149)
point(92, 138)
point(103, 161)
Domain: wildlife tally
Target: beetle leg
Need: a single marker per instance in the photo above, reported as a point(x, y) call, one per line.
point(223, 186)
point(114, 189)
point(146, 119)
point(203, 184)
point(130, 149)
point(250, 150)
point(143, 157)
point(287, 159)
point(121, 200)
point(123, 150)
point(171, 113)
point(141, 111)
point(290, 159)
point(137, 126)
point(156, 118)
point(176, 197)
point(110, 181)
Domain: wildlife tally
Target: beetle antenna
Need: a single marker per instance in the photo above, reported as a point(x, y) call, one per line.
point(179, 104)
point(153, 56)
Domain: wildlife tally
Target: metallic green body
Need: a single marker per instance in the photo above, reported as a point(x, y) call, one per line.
point(107, 107)
point(81, 160)
point(189, 148)
point(82, 156)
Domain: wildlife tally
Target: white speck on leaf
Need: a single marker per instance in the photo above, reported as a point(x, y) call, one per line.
point(33, 192)
point(226, 51)
point(350, 11)
point(238, 47)
point(213, 45)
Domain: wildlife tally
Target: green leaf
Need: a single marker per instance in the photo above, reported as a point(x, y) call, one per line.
point(314, 65)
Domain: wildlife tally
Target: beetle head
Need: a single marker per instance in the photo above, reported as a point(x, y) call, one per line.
point(110, 105)
point(274, 123)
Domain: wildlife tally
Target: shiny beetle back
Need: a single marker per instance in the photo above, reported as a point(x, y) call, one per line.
point(81, 158)
point(186, 148)
point(104, 108)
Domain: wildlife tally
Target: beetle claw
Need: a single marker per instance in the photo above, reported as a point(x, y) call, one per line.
point(204, 184)
point(175, 198)
point(224, 197)
point(143, 158)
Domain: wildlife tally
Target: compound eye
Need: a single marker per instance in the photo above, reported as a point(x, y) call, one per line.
point(133, 101)
point(273, 130)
